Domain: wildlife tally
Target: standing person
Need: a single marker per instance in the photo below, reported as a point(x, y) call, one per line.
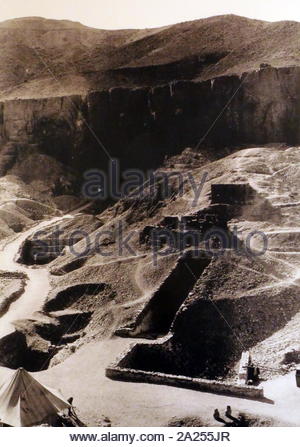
point(217, 416)
point(228, 412)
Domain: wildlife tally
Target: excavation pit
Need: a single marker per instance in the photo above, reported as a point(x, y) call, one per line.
point(157, 317)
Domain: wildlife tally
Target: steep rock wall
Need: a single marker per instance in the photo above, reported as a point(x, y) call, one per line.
point(142, 125)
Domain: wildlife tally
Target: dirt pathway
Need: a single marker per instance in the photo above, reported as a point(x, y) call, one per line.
point(37, 284)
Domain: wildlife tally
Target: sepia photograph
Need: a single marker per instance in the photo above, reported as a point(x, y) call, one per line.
point(149, 232)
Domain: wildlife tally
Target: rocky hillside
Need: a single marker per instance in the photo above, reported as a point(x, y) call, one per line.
point(82, 58)
point(69, 91)
point(212, 302)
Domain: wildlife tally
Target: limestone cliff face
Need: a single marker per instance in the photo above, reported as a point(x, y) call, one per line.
point(142, 125)
point(53, 123)
point(145, 124)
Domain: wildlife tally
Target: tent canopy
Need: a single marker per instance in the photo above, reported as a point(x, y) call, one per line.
point(25, 402)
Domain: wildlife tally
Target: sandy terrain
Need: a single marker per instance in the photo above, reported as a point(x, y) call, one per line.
point(139, 404)
point(37, 287)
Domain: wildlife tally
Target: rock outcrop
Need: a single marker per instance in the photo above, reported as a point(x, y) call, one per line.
point(141, 126)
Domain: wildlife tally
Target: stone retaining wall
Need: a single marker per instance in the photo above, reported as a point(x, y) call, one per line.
point(116, 372)
point(209, 386)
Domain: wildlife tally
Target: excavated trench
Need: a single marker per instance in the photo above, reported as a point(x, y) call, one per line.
point(73, 295)
point(34, 342)
point(16, 353)
point(30, 337)
point(157, 317)
point(64, 327)
point(70, 266)
point(209, 337)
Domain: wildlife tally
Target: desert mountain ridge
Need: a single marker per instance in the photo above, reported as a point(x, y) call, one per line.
point(35, 51)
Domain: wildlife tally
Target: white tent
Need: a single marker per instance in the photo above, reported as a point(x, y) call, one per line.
point(24, 402)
